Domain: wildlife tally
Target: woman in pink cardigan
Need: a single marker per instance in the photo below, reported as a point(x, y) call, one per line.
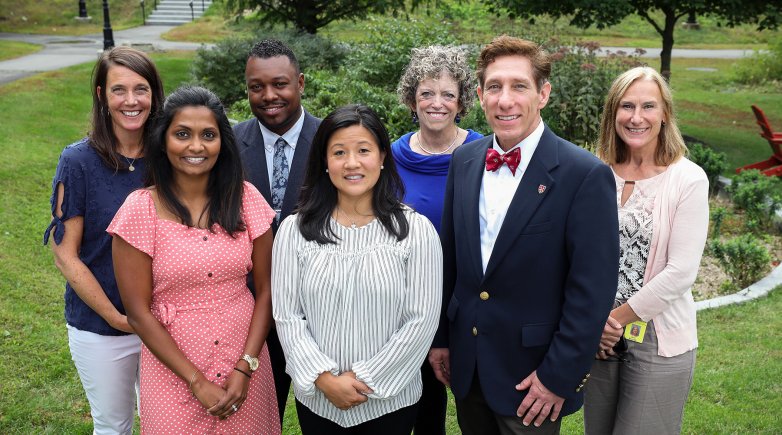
point(643, 371)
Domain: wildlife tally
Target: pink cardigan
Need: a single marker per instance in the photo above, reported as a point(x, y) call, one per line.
point(680, 223)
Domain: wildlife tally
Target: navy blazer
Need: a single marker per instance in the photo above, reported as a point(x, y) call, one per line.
point(549, 284)
point(253, 155)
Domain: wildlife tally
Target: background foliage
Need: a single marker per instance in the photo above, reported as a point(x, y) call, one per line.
point(368, 72)
point(762, 68)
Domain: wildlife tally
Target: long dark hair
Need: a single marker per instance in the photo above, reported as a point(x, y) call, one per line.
point(225, 186)
point(102, 137)
point(319, 196)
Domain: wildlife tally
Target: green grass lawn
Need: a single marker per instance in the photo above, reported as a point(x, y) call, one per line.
point(39, 387)
point(736, 390)
point(718, 112)
point(56, 17)
point(477, 25)
point(14, 49)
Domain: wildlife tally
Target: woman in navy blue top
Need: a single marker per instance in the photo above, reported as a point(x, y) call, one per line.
point(93, 177)
point(439, 88)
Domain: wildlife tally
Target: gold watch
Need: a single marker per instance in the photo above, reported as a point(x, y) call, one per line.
point(252, 361)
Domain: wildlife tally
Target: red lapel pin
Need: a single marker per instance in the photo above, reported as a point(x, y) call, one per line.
point(541, 189)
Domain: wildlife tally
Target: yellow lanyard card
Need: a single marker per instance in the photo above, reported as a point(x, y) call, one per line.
point(635, 331)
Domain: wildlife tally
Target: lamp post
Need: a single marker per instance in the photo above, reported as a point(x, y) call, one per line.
point(82, 9)
point(108, 34)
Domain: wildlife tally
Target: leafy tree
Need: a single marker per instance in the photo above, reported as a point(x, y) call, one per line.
point(606, 13)
point(311, 15)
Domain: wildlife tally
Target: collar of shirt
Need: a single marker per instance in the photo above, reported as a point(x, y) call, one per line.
point(497, 191)
point(291, 136)
point(528, 146)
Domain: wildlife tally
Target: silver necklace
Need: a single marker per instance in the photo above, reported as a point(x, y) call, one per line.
point(130, 163)
point(437, 153)
point(352, 222)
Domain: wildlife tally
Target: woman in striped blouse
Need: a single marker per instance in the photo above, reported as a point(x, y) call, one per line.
point(356, 285)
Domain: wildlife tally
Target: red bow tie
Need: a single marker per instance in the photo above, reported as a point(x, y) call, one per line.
point(494, 160)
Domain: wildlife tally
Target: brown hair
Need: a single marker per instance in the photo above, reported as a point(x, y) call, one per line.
point(102, 137)
point(670, 144)
point(509, 46)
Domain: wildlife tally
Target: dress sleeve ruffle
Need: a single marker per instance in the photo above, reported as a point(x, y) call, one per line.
point(256, 212)
point(135, 222)
point(71, 174)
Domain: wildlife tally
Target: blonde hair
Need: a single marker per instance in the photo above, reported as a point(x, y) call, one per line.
point(612, 149)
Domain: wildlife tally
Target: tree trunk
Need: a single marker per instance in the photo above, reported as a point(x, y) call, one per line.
point(307, 17)
point(667, 34)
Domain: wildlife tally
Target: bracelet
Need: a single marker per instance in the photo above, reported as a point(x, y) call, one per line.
point(243, 372)
point(192, 379)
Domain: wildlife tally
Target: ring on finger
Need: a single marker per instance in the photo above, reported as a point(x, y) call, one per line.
point(234, 407)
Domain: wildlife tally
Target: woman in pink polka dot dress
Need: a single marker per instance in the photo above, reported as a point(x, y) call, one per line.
point(182, 250)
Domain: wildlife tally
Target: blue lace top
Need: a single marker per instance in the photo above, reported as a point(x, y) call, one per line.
point(424, 176)
point(95, 192)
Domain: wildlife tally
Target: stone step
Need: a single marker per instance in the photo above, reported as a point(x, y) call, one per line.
point(178, 2)
point(175, 12)
point(167, 21)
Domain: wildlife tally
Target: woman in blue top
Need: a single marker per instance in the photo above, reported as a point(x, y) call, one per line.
point(93, 177)
point(439, 88)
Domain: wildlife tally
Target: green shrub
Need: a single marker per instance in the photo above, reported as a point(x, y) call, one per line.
point(758, 195)
point(717, 218)
point(221, 68)
point(381, 60)
point(743, 258)
point(762, 67)
point(579, 83)
point(712, 162)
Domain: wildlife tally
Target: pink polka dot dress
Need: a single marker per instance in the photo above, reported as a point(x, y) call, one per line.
point(201, 297)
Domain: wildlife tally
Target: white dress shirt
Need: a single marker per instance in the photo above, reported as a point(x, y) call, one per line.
point(270, 138)
point(498, 189)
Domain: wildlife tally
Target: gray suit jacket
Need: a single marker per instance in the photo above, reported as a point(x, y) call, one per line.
point(253, 155)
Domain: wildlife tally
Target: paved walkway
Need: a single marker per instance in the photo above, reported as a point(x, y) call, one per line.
point(686, 53)
point(62, 51)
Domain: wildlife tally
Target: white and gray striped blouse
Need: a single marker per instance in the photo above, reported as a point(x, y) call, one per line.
point(369, 304)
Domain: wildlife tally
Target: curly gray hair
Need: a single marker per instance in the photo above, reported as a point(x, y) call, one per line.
point(430, 63)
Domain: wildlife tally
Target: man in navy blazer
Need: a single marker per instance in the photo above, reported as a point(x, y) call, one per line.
point(531, 257)
point(274, 87)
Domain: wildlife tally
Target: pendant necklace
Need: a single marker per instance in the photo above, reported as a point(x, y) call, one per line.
point(352, 222)
point(130, 163)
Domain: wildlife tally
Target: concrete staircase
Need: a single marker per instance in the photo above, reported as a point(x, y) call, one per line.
point(175, 12)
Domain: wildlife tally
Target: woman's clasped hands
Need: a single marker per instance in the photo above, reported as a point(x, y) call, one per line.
point(343, 391)
point(221, 401)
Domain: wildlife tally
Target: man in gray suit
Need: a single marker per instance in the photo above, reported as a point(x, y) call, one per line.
point(274, 149)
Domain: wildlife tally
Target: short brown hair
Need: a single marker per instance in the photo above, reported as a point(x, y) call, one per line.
point(612, 149)
point(509, 46)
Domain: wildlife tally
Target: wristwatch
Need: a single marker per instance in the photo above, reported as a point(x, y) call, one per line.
point(252, 361)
